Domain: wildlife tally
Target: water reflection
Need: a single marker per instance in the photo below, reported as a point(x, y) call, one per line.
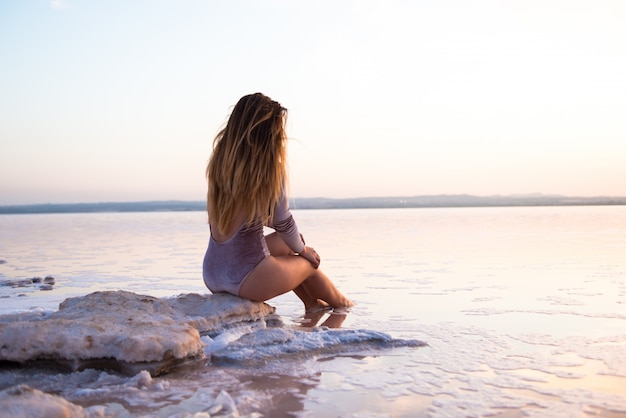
point(334, 318)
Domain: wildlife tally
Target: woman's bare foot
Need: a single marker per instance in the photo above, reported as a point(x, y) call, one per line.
point(318, 306)
point(344, 303)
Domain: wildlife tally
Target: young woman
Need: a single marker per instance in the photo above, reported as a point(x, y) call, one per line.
point(246, 191)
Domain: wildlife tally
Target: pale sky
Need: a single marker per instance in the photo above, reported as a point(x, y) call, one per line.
point(119, 100)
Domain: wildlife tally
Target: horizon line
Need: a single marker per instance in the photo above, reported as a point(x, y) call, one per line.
point(441, 195)
point(304, 203)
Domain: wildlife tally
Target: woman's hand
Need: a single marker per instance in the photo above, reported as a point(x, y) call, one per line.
point(311, 255)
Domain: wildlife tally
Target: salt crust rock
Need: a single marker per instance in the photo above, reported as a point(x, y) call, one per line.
point(270, 344)
point(124, 328)
point(130, 332)
point(25, 402)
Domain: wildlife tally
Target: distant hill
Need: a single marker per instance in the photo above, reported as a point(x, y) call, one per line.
point(156, 206)
point(436, 201)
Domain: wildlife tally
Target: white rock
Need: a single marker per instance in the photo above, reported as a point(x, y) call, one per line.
point(23, 401)
point(124, 328)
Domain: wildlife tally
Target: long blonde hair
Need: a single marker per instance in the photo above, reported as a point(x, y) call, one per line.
point(247, 167)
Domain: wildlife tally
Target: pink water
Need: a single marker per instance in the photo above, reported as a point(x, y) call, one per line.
point(524, 309)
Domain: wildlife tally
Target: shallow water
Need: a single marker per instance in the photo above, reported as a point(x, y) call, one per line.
point(524, 310)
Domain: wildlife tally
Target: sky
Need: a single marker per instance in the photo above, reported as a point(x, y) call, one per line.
point(107, 101)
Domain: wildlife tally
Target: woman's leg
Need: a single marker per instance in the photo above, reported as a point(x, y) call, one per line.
point(278, 248)
point(283, 272)
point(277, 275)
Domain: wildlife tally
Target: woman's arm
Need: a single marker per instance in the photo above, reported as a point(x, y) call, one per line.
point(286, 227)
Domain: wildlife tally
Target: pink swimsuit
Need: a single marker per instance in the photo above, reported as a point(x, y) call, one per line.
point(227, 264)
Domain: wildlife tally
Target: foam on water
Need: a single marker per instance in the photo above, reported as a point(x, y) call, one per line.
point(270, 345)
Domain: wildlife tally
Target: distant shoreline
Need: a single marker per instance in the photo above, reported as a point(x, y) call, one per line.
point(437, 201)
